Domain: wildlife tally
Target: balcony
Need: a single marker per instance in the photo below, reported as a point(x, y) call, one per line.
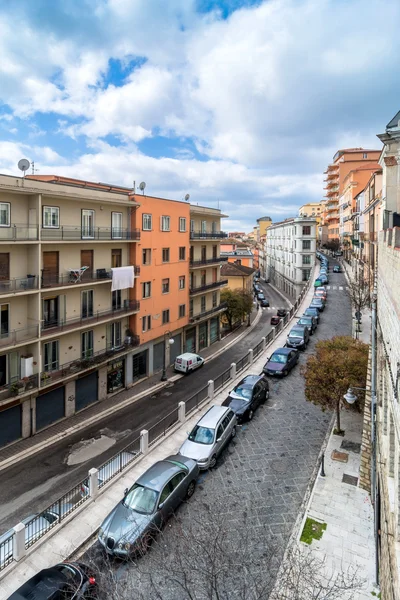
point(208, 286)
point(370, 236)
point(19, 284)
point(76, 366)
point(208, 261)
point(217, 309)
point(19, 233)
point(19, 387)
point(208, 235)
point(49, 328)
point(19, 336)
point(77, 233)
point(49, 280)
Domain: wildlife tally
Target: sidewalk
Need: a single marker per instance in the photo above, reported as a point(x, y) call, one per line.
point(13, 453)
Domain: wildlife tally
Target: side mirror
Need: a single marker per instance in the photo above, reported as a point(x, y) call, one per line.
point(219, 439)
point(126, 491)
point(161, 505)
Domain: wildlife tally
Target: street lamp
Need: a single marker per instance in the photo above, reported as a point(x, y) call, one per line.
point(167, 339)
point(350, 396)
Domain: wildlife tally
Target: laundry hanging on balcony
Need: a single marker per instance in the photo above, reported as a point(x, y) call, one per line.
point(122, 278)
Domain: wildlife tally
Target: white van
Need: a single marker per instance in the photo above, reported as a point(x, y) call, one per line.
point(188, 362)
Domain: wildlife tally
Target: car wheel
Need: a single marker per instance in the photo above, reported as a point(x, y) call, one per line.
point(190, 490)
point(213, 461)
point(250, 415)
point(266, 395)
point(233, 433)
point(285, 372)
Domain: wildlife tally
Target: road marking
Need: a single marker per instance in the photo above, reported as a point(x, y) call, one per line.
point(334, 287)
point(328, 287)
point(340, 288)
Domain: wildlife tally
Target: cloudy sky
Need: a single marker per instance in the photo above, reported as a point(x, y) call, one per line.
point(241, 103)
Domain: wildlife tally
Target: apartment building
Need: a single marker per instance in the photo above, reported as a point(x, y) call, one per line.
point(343, 162)
point(205, 261)
point(263, 224)
point(291, 249)
point(65, 334)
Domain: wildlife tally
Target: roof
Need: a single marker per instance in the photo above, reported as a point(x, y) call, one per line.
point(212, 416)
point(264, 219)
point(395, 122)
point(155, 477)
point(282, 351)
point(235, 270)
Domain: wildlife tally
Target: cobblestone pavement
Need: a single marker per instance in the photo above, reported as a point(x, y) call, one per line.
point(263, 475)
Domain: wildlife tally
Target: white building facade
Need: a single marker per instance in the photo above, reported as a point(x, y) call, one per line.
point(290, 254)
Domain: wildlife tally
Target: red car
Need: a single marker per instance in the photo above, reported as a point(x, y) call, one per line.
point(275, 320)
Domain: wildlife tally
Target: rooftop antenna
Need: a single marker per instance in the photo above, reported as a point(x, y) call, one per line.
point(134, 187)
point(34, 170)
point(23, 165)
point(142, 187)
point(187, 197)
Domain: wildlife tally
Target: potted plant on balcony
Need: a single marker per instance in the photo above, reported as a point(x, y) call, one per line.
point(44, 378)
point(15, 388)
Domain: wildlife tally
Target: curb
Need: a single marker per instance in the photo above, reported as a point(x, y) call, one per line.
point(281, 294)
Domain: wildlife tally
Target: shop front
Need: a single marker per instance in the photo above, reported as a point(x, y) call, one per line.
point(115, 376)
point(203, 335)
point(214, 330)
point(190, 343)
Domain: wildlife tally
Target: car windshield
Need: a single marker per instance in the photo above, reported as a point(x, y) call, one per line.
point(278, 358)
point(296, 333)
point(304, 321)
point(243, 391)
point(202, 435)
point(141, 499)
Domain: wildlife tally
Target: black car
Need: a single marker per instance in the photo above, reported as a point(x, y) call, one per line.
point(260, 296)
point(281, 312)
point(264, 302)
point(313, 312)
point(298, 337)
point(308, 321)
point(281, 362)
point(64, 580)
point(247, 396)
point(317, 303)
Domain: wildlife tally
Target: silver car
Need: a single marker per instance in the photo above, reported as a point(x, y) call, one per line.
point(131, 525)
point(209, 436)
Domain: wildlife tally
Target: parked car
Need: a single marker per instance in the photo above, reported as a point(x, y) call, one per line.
point(281, 312)
point(321, 292)
point(187, 362)
point(257, 287)
point(309, 322)
point(260, 296)
point(35, 527)
point(318, 303)
point(247, 396)
point(337, 269)
point(72, 580)
point(313, 312)
point(109, 469)
point(318, 282)
point(275, 320)
point(264, 302)
point(209, 436)
point(320, 297)
point(298, 337)
point(324, 279)
point(147, 505)
point(281, 362)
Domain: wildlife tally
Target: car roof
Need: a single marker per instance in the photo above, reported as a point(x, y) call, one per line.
point(282, 351)
point(212, 416)
point(187, 355)
point(158, 474)
point(250, 380)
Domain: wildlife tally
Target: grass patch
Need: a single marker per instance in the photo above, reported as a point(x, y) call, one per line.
point(313, 530)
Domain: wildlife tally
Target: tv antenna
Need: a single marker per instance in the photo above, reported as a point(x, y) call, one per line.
point(23, 165)
point(187, 197)
point(142, 186)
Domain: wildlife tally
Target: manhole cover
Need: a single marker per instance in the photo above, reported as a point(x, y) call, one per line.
point(340, 456)
point(351, 446)
point(279, 465)
point(350, 479)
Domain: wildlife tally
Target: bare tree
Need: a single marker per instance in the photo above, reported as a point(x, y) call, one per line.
point(360, 296)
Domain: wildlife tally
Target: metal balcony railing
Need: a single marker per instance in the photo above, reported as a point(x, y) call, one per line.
point(51, 280)
point(210, 235)
point(18, 336)
point(208, 286)
point(19, 233)
point(216, 309)
point(76, 233)
point(18, 284)
point(19, 386)
point(52, 326)
point(208, 261)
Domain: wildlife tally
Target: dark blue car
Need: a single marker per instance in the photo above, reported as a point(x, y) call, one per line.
point(281, 362)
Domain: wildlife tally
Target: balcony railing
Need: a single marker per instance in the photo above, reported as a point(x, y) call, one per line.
point(18, 336)
point(51, 280)
point(209, 286)
point(74, 366)
point(19, 233)
point(202, 315)
point(207, 235)
point(50, 327)
point(71, 233)
point(208, 261)
point(19, 386)
point(18, 284)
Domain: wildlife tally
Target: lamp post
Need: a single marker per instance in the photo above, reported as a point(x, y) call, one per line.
point(167, 339)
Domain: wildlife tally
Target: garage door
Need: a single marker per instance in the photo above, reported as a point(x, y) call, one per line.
point(50, 408)
point(214, 330)
point(158, 354)
point(86, 391)
point(10, 425)
point(175, 348)
point(190, 345)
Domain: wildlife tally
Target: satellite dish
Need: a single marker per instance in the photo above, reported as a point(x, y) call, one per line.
point(23, 165)
point(187, 197)
point(142, 186)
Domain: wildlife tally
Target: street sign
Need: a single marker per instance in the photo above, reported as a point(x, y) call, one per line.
point(358, 315)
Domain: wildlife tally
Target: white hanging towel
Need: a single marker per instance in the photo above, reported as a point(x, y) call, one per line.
point(122, 278)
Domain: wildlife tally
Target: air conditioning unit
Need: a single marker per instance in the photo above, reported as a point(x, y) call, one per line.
point(26, 366)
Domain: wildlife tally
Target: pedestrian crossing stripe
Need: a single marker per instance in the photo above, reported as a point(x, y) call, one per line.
point(340, 288)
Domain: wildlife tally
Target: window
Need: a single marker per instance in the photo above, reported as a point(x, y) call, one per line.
point(306, 244)
point(116, 258)
point(115, 335)
point(365, 155)
point(146, 289)
point(306, 229)
point(215, 252)
point(5, 211)
point(203, 304)
point(215, 299)
point(87, 304)
point(165, 255)
point(87, 344)
point(204, 253)
point(165, 221)
point(306, 274)
point(116, 225)
point(51, 216)
point(165, 286)
point(50, 312)
point(146, 323)
point(116, 300)
point(146, 256)
point(147, 224)
point(165, 316)
point(203, 277)
point(182, 310)
point(51, 356)
point(215, 275)
point(214, 227)
point(204, 227)
point(306, 259)
point(191, 225)
point(182, 224)
point(182, 282)
point(88, 224)
point(182, 253)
